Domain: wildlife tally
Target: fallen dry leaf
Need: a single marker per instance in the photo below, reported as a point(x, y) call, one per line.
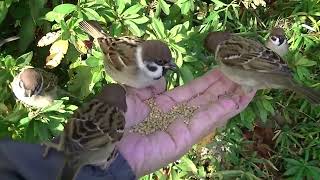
point(49, 38)
point(57, 52)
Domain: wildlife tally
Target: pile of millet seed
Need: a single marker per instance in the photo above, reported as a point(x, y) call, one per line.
point(159, 120)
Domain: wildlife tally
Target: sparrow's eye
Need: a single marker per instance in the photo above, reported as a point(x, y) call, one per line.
point(21, 84)
point(273, 38)
point(160, 62)
point(152, 68)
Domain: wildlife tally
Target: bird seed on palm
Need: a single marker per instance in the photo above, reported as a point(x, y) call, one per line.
point(159, 120)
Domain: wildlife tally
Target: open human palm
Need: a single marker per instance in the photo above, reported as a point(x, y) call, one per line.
point(147, 153)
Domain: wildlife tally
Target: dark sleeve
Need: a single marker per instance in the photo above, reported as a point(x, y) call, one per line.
point(22, 161)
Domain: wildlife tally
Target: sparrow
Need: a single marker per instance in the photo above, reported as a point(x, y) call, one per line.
point(134, 62)
point(35, 87)
point(252, 65)
point(91, 134)
point(278, 42)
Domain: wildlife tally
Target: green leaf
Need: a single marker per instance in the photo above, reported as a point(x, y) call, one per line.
point(26, 33)
point(185, 8)
point(79, 85)
point(314, 171)
point(52, 16)
point(141, 20)
point(36, 7)
point(96, 77)
point(268, 106)
point(305, 62)
point(9, 62)
point(93, 61)
point(24, 121)
point(132, 16)
point(4, 6)
point(293, 162)
point(116, 28)
point(133, 28)
point(165, 7)
point(132, 10)
point(158, 28)
point(93, 15)
point(121, 6)
point(302, 72)
point(247, 117)
point(186, 74)
point(41, 130)
point(201, 172)
point(189, 165)
point(58, 104)
point(24, 59)
point(291, 171)
point(65, 9)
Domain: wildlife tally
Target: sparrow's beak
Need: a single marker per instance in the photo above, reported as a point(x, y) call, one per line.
point(171, 65)
point(28, 93)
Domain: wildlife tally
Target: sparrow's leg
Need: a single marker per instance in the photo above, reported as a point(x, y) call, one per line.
point(228, 95)
point(110, 158)
point(49, 145)
point(246, 90)
point(237, 91)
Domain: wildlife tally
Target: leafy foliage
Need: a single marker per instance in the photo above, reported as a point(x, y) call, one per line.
point(276, 136)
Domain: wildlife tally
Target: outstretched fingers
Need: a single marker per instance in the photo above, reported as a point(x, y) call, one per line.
point(190, 91)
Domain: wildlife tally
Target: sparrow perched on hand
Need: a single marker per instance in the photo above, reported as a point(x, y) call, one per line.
point(35, 87)
point(252, 65)
point(277, 42)
point(91, 134)
point(133, 62)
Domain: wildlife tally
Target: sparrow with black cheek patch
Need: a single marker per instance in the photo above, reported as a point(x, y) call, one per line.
point(133, 62)
point(252, 65)
point(35, 87)
point(277, 42)
point(90, 136)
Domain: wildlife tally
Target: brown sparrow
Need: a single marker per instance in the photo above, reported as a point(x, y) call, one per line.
point(252, 65)
point(35, 87)
point(277, 42)
point(92, 132)
point(133, 62)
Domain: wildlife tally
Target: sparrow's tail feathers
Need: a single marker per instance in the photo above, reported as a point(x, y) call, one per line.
point(311, 94)
point(69, 172)
point(93, 29)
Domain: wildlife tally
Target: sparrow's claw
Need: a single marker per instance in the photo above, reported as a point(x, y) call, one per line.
point(229, 95)
point(226, 94)
point(48, 146)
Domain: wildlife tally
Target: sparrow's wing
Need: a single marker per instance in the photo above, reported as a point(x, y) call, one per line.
point(50, 81)
point(93, 28)
point(121, 52)
point(251, 55)
point(94, 126)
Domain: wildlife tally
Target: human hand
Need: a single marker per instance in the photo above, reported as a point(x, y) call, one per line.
point(147, 153)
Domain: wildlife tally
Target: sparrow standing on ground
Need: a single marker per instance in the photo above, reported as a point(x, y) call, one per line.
point(252, 65)
point(91, 134)
point(133, 62)
point(278, 42)
point(35, 87)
